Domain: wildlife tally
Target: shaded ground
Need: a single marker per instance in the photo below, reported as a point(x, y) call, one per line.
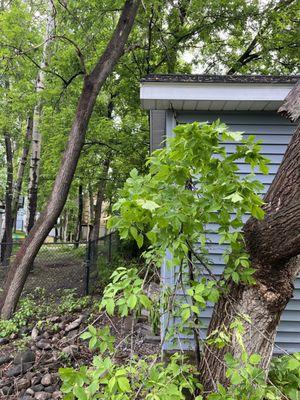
point(55, 269)
point(54, 342)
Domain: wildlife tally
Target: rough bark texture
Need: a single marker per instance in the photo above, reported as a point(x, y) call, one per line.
point(34, 170)
point(20, 268)
point(6, 245)
point(291, 106)
point(274, 246)
point(99, 201)
point(21, 169)
point(79, 216)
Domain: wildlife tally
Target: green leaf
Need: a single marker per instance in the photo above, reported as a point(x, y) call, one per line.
point(111, 384)
point(235, 197)
point(145, 301)
point(140, 240)
point(235, 378)
point(110, 306)
point(131, 301)
point(80, 393)
point(255, 359)
point(257, 212)
point(150, 205)
point(124, 384)
point(85, 335)
point(185, 315)
point(293, 364)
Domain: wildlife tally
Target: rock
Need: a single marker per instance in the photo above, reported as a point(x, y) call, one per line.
point(69, 349)
point(46, 335)
point(36, 379)
point(13, 336)
point(5, 359)
point(56, 395)
point(34, 333)
point(18, 369)
point(46, 380)
point(152, 339)
point(30, 392)
point(42, 396)
point(22, 384)
point(7, 390)
point(54, 319)
point(50, 389)
point(23, 331)
point(27, 356)
point(26, 397)
point(71, 335)
point(43, 344)
point(37, 388)
point(75, 324)
point(3, 341)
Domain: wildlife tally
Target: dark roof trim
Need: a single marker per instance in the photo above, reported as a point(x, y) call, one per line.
point(189, 78)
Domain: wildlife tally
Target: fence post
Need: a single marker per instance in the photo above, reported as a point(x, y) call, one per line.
point(109, 248)
point(87, 267)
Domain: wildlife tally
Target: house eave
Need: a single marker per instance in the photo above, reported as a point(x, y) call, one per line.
point(218, 95)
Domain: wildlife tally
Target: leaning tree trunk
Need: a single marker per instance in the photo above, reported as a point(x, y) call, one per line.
point(20, 268)
point(34, 170)
point(6, 245)
point(274, 246)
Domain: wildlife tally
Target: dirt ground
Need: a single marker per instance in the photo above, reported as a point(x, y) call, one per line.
point(54, 275)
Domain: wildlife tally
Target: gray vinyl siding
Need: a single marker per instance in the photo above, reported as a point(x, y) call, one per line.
point(157, 129)
point(275, 133)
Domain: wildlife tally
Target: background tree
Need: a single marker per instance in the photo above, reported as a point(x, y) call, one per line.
point(92, 84)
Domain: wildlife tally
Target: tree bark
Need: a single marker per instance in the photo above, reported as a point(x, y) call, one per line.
point(79, 216)
point(19, 269)
point(99, 201)
point(34, 170)
point(274, 246)
point(21, 169)
point(6, 245)
point(65, 226)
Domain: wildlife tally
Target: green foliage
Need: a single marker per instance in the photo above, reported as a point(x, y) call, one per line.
point(35, 307)
point(99, 338)
point(159, 206)
point(27, 309)
point(125, 293)
point(151, 379)
point(70, 302)
point(285, 374)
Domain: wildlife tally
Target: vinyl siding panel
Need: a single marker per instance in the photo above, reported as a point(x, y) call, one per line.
point(157, 129)
point(275, 133)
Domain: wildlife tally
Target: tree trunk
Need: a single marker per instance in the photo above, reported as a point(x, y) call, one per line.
point(36, 135)
point(274, 246)
point(65, 226)
point(21, 170)
point(79, 216)
point(6, 245)
point(20, 268)
point(99, 202)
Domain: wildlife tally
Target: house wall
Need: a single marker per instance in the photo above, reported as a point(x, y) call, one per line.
point(275, 133)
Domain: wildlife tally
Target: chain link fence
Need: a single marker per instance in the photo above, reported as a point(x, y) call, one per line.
point(59, 266)
point(99, 253)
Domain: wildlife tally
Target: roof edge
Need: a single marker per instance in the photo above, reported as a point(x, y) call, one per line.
point(198, 78)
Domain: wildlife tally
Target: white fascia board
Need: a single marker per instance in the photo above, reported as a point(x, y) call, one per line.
point(212, 92)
